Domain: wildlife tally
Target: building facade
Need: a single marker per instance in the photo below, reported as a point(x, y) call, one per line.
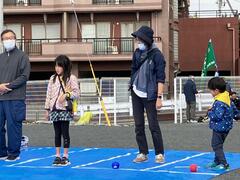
point(194, 34)
point(47, 28)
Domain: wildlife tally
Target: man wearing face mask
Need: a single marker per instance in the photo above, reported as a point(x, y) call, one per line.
point(14, 73)
point(146, 84)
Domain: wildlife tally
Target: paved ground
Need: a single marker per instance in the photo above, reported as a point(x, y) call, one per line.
point(176, 137)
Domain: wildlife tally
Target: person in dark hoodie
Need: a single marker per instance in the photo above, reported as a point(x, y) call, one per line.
point(146, 84)
point(14, 73)
point(221, 117)
point(190, 92)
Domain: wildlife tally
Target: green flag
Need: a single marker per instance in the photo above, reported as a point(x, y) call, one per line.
point(210, 59)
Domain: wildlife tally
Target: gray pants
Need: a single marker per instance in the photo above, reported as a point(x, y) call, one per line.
point(191, 110)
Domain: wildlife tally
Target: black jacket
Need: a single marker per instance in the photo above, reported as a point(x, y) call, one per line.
point(14, 69)
point(190, 91)
point(156, 71)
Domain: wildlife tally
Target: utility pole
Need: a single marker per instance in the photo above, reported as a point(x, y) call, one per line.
point(231, 8)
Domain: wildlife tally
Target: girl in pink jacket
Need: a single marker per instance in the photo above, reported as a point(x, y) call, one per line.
point(62, 86)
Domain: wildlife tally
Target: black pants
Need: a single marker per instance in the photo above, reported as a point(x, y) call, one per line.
point(139, 104)
point(218, 139)
point(61, 128)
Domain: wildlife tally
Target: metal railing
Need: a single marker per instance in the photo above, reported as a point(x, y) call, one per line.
point(115, 95)
point(112, 2)
point(33, 47)
point(22, 2)
point(213, 14)
point(204, 98)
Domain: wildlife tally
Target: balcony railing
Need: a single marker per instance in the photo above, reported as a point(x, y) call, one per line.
point(22, 2)
point(213, 14)
point(100, 46)
point(102, 2)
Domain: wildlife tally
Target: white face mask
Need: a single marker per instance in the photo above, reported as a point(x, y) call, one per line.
point(9, 44)
point(142, 46)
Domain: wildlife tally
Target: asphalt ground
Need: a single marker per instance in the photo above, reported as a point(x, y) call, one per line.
point(193, 136)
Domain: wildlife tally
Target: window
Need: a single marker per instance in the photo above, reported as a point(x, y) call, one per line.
point(48, 31)
point(102, 44)
point(141, 23)
point(17, 28)
point(126, 41)
point(103, 29)
point(88, 32)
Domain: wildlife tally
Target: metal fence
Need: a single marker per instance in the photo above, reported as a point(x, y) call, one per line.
point(213, 14)
point(204, 99)
point(115, 94)
point(33, 47)
point(22, 2)
point(99, 2)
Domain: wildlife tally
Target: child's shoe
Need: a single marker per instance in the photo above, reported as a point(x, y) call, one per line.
point(211, 165)
point(65, 161)
point(221, 167)
point(57, 161)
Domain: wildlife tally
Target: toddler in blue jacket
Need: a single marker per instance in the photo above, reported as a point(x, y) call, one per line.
point(221, 117)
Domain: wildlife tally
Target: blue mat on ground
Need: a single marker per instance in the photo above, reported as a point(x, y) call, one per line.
point(96, 163)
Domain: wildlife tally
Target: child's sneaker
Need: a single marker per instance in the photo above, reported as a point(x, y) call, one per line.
point(57, 161)
point(221, 167)
point(140, 158)
point(12, 158)
point(65, 161)
point(159, 158)
point(211, 165)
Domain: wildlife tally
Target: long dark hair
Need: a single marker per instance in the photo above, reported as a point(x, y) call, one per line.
point(64, 62)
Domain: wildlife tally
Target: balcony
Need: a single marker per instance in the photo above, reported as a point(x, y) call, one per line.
point(96, 47)
point(81, 6)
point(112, 2)
point(22, 2)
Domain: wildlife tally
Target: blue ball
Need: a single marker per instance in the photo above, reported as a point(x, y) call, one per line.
point(115, 165)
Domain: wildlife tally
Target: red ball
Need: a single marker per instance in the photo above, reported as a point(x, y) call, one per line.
point(193, 168)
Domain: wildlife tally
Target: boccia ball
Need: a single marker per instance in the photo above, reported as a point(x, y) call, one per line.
point(193, 168)
point(115, 165)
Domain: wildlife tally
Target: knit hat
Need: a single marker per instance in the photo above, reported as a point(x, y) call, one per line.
point(144, 33)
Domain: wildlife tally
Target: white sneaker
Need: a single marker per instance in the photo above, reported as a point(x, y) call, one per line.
point(159, 158)
point(140, 158)
point(193, 121)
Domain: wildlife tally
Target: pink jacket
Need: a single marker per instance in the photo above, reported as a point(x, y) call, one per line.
point(53, 92)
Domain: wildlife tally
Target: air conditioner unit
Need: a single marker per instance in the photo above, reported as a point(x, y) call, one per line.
point(113, 2)
point(112, 49)
point(22, 2)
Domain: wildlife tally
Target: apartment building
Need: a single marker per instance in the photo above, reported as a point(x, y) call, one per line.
point(47, 28)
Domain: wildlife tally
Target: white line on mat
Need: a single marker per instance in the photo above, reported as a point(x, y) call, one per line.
point(174, 162)
point(38, 159)
point(152, 171)
point(103, 160)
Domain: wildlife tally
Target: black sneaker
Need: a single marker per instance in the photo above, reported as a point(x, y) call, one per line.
point(57, 161)
point(3, 157)
point(12, 158)
point(65, 161)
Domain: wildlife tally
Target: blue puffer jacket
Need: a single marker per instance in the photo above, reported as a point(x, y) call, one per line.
point(155, 73)
point(221, 116)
